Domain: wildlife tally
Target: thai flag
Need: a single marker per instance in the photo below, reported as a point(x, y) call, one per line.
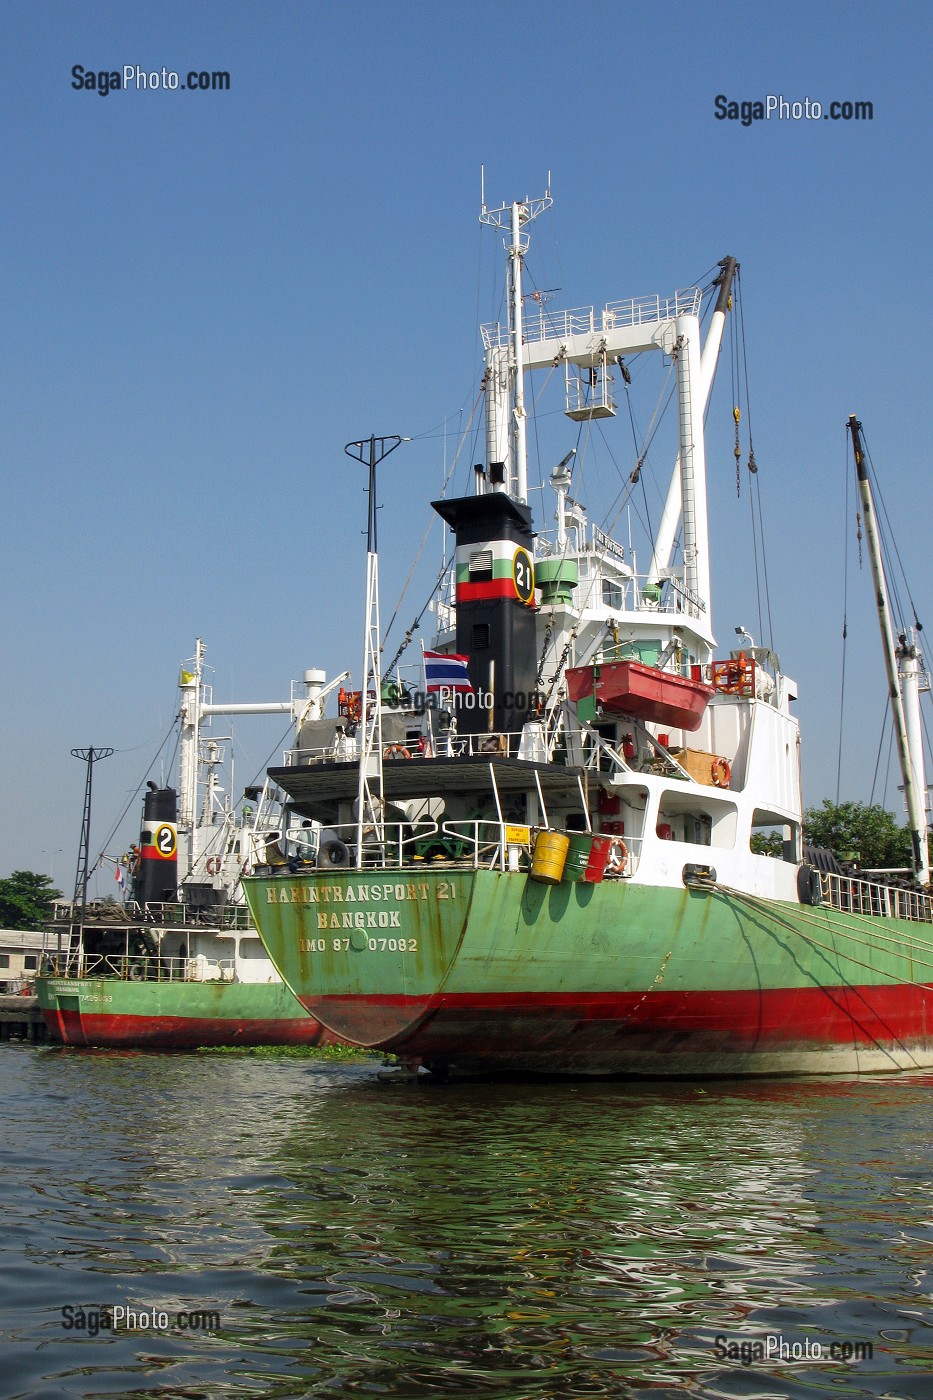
point(445, 672)
point(120, 878)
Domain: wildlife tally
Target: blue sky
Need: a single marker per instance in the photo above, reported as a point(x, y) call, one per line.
point(206, 295)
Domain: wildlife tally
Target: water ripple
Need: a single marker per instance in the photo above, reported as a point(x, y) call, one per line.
point(520, 1240)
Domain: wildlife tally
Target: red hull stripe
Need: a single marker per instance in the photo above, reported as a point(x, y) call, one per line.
point(850, 1015)
point(181, 1032)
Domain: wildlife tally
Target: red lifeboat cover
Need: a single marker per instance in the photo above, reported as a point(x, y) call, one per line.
point(644, 692)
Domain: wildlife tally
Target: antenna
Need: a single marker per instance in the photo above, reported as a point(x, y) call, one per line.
point(370, 452)
point(90, 757)
point(510, 219)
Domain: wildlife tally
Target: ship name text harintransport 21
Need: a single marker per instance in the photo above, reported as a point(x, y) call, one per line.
point(363, 893)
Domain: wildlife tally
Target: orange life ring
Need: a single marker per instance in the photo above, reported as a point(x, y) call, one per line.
point(721, 772)
point(395, 751)
point(618, 857)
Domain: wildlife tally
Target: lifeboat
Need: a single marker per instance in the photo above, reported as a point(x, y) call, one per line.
point(643, 692)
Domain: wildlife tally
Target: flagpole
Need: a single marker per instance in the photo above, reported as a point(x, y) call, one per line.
point(424, 672)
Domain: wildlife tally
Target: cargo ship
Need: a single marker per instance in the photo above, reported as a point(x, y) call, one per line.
point(178, 963)
point(572, 842)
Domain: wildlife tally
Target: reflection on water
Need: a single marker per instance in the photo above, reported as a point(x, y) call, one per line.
point(522, 1240)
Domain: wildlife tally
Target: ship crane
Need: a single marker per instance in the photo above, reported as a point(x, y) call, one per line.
point(903, 664)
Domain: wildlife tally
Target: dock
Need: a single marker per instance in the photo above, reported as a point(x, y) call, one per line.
point(21, 1019)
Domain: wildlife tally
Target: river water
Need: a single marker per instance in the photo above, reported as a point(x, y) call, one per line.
point(509, 1239)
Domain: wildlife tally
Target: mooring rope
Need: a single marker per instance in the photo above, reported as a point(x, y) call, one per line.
point(763, 906)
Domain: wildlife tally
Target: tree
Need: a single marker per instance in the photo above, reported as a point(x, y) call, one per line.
point(767, 843)
point(867, 835)
point(26, 900)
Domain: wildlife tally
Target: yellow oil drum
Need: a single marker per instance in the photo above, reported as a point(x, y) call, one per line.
point(550, 855)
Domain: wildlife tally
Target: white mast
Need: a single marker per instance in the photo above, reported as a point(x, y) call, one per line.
point(692, 462)
point(909, 753)
point(512, 217)
point(709, 359)
point(369, 809)
point(194, 709)
point(913, 677)
point(188, 746)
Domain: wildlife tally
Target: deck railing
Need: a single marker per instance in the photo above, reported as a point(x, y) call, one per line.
point(410, 845)
point(539, 323)
point(514, 744)
point(473, 844)
point(163, 913)
point(139, 967)
point(854, 895)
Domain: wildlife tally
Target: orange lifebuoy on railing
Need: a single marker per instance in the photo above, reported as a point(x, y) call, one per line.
point(721, 772)
point(395, 751)
point(734, 677)
point(618, 857)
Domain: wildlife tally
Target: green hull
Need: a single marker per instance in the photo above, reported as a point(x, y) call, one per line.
point(106, 1011)
point(477, 969)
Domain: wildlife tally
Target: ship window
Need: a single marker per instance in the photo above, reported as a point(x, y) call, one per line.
point(480, 636)
point(251, 948)
point(612, 593)
point(772, 835)
point(4, 960)
point(30, 962)
point(709, 821)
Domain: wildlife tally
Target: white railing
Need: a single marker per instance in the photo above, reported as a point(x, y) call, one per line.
point(852, 895)
point(598, 755)
point(334, 847)
point(540, 324)
point(472, 844)
point(163, 913)
point(630, 593)
point(344, 751)
point(409, 845)
point(220, 916)
point(486, 845)
point(641, 311)
point(139, 967)
point(633, 845)
point(447, 745)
